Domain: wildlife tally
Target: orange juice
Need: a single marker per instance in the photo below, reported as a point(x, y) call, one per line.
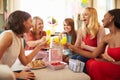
point(48, 39)
point(56, 40)
point(63, 40)
point(48, 32)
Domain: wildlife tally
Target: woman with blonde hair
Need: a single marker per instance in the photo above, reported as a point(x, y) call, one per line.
point(35, 36)
point(105, 69)
point(89, 34)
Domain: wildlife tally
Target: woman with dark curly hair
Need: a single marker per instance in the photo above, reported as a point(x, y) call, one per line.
point(105, 69)
point(19, 22)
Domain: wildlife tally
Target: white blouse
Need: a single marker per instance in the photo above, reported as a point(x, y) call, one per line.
point(11, 54)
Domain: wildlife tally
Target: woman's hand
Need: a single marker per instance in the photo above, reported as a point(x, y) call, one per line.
point(26, 75)
point(106, 57)
point(116, 62)
point(83, 45)
point(70, 46)
point(43, 44)
point(42, 39)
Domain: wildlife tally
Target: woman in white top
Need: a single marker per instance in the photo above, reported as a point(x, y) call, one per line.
point(19, 22)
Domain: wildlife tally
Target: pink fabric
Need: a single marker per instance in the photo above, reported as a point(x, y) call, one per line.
point(55, 55)
point(30, 37)
point(101, 70)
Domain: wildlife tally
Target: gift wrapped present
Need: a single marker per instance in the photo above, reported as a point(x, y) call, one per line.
point(55, 54)
point(76, 65)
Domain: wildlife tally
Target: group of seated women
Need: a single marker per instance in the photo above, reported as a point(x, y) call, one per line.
point(90, 44)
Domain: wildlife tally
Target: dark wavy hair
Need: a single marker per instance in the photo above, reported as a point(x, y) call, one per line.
point(16, 20)
point(116, 14)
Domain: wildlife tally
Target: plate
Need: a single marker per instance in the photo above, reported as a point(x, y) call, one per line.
point(36, 64)
point(37, 68)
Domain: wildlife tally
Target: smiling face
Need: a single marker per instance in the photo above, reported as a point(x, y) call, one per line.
point(107, 20)
point(28, 24)
point(39, 25)
point(86, 17)
point(67, 27)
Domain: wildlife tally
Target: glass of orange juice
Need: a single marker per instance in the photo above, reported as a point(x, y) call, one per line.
point(56, 39)
point(64, 39)
point(48, 32)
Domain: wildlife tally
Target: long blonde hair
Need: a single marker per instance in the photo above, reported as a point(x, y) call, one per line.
point(35, 23)
point(93, 25)
point(34, 28)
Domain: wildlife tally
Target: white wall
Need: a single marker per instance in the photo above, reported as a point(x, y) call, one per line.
point(102, 8)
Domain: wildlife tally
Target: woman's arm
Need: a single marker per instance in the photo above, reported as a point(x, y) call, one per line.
point(99, 50)
point(80, 44)
point(30, 41)
point(100, 35)
point(87, 47)
point(79, 38)
point(87, 54)
point(35, 42)
point(26, 59)
point(5, 42)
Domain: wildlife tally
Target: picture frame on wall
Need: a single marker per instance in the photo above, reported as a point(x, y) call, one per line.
point(1, 6)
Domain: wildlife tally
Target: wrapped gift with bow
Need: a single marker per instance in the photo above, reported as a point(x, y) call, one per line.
point(76, 65)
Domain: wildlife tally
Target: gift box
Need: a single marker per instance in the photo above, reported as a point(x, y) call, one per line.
point(76, 65)
point(55, 54)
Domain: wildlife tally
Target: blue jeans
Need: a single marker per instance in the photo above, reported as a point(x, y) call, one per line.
point(79, 57)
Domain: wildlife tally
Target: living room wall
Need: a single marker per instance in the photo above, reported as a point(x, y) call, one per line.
point(2, 21)
point(13, 2)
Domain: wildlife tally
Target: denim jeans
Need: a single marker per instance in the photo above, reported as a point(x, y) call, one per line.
point(79, 57)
